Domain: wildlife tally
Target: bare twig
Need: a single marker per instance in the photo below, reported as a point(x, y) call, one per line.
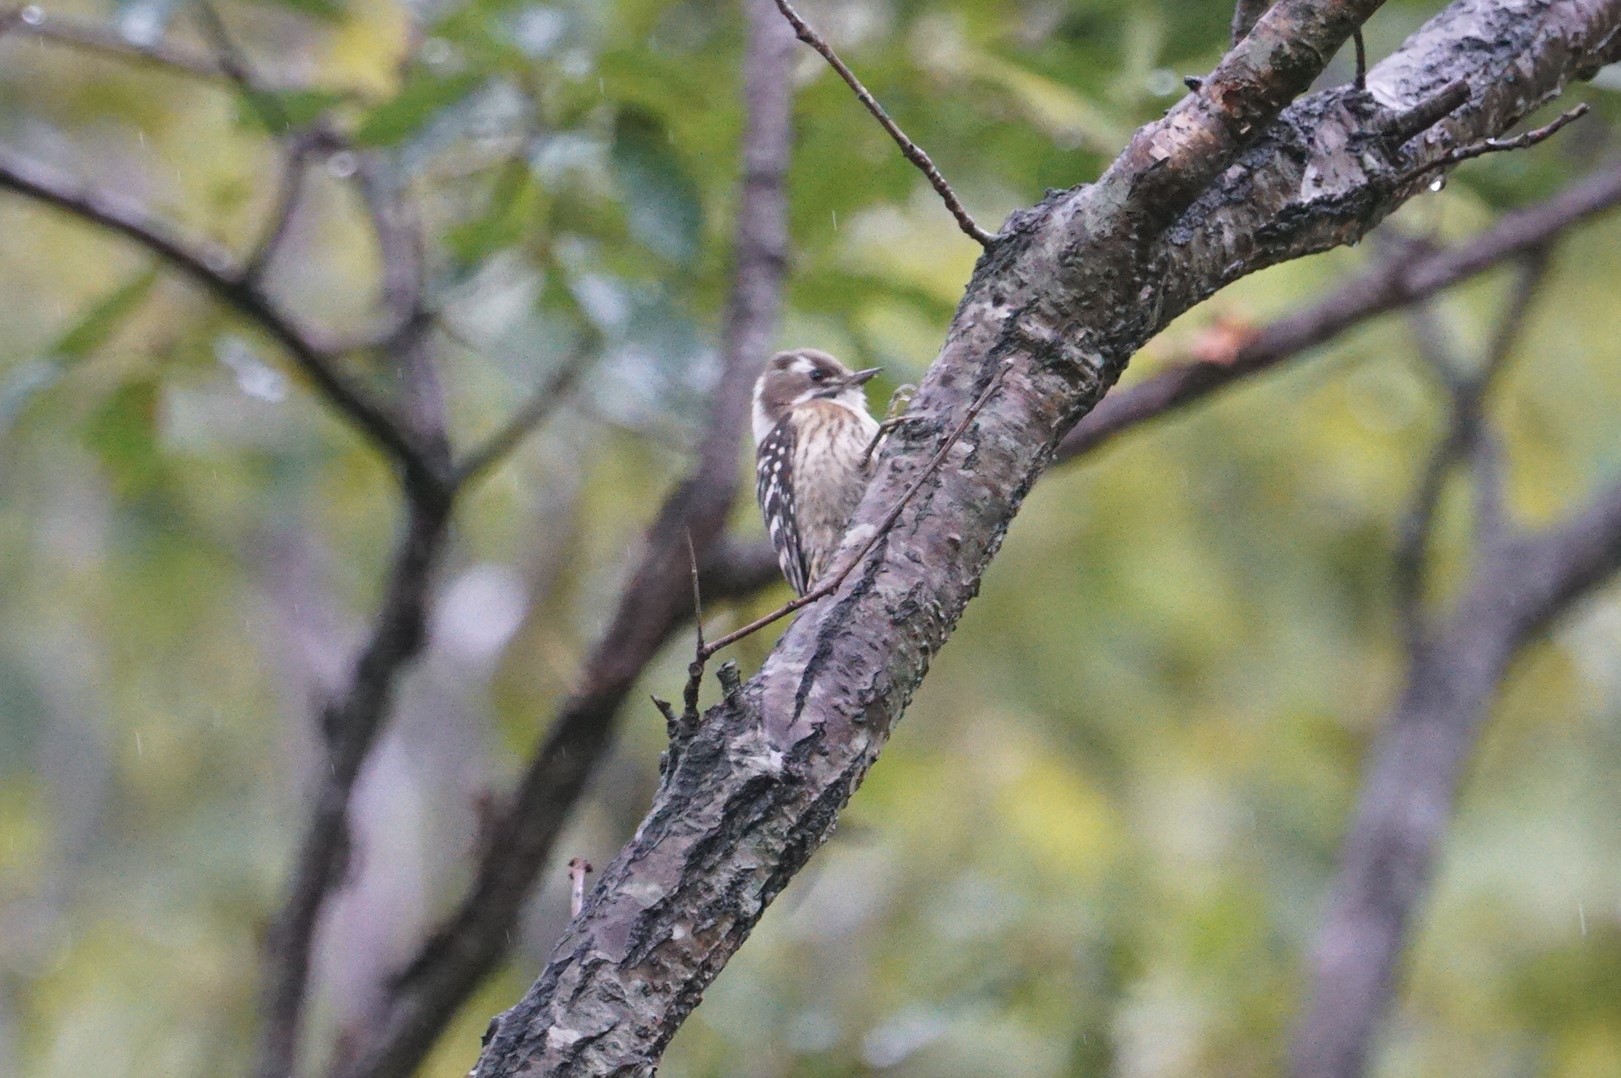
point(695, 669)
point(1360, 80)
point(1466, 440)
point(529, 416)
point(105, 42)
point(909, 149)
point(295, 156)
point(1495, 145)
point(235, 67)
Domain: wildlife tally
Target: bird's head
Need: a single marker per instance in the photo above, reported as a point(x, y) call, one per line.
point(804, 374)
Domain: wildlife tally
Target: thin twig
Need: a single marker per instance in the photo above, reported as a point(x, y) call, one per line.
point(1466, 441)
point(909, 149)
point(1360, 80)
point(695, 669)
point(109, 43)
point(235, 66)
point(535, 411)
point(294, 168)
point(1494, 145)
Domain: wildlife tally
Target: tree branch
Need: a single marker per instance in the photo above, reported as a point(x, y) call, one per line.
point(1415, 766)
point(350, 725)
point(215, 269)
point(523, 422)
point(909, 149)
point(1069, 291)
point(653, 606)
point(1395, 284)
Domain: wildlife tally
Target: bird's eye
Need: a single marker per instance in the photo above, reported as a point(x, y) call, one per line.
point(818, 376)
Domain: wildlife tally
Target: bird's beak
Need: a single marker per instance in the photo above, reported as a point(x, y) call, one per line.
point(861, 378)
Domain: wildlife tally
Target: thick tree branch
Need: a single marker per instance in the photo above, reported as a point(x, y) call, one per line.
point(1070, 290)
point(1415, 766)
point(1412, 274)
point(655, 603)
point(1397, 283)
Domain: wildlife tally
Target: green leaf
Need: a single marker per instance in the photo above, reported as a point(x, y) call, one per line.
point(304, 107)
point(330, 10)
point(662, 208)
point(123, 433)
point(93, 329)
point(415, 107)
point(103, 319)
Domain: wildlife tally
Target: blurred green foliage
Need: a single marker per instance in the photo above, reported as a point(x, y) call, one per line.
point(1100, 840)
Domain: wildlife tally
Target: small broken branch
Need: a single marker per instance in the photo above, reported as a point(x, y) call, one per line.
point(909, 149)
point(578, 869)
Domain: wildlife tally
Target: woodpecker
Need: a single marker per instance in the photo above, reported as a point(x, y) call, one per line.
point(812, 437)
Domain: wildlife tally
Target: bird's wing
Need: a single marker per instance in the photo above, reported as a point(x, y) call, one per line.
point(774, 487)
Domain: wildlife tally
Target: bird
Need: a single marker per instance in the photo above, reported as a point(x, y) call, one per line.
point(813, 439)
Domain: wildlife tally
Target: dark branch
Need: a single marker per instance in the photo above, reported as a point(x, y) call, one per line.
point(101, 41)
point(215, 269)
point(909, 149)
point(1496, 145)
point(1397, 283)
point(654, 605)
point(350, 725)
point(234, 66)
point(1466, 439)
point(526, 420)
point(1415, 766)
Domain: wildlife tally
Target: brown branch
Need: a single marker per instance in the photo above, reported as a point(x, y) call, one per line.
point(216, 271)
point(1466, 439)
point(1395, 284)
point(1496, 145)
point(655, 603)
point(909, 149)
point(350, 725)
point(1414, 768)
point(235, 67)
point(109, 43)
